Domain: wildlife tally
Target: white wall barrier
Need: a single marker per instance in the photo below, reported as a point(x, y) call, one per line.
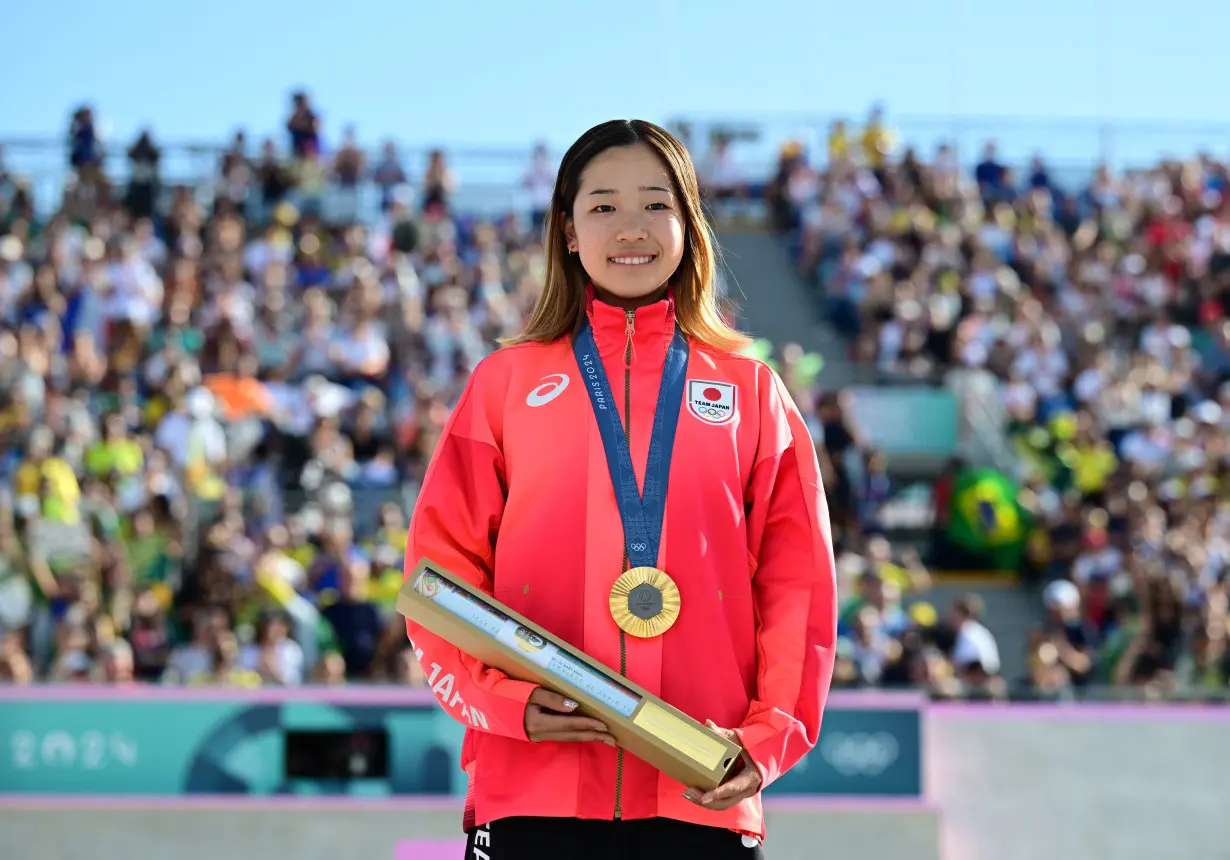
point(1104, 782)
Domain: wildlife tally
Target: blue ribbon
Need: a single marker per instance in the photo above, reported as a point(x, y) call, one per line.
point(642, 514)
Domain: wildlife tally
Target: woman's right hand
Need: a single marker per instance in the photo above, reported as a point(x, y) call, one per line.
point(549, 717)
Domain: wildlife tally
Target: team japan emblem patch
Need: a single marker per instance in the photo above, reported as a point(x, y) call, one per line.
point(711, 402)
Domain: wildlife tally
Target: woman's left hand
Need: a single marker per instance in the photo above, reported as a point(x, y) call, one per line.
point(739, 786)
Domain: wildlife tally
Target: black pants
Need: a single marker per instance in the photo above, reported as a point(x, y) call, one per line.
point(584, 839)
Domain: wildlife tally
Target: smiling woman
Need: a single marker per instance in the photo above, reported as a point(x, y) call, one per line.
point(687, 547)
point(626, 217)
point(626, 225)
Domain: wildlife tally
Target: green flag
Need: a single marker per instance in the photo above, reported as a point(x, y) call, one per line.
point(986, 519)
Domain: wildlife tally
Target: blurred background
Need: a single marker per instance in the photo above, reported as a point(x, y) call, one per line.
point(248, 257)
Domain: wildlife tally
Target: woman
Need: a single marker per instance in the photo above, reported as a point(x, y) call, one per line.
point(840, 437)
point(438, 183)
point(519, 499)
point(276, 657)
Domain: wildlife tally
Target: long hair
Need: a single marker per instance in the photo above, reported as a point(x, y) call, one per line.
point(561, 306)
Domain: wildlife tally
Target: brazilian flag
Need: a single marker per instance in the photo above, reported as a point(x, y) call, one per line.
point(986, 520)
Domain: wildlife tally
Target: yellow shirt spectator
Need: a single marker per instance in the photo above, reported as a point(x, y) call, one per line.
point(1092, 466)
point(897, 575)
point(122, 456)
point(52, 482)
point(877, 144)
point(839, 142)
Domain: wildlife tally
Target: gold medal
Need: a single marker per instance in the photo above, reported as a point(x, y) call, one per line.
point(644, 602)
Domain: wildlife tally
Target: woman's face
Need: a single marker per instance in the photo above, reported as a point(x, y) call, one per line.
point(627, 224)
point(276, 631)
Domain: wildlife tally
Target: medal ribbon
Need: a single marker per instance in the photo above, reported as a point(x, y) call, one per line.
point(642, 514)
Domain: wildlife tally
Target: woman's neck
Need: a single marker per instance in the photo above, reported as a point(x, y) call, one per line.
point(629, 303)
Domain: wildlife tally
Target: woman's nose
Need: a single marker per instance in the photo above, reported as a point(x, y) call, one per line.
point(632, 229)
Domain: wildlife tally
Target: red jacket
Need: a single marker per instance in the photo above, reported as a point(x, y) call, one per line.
point(518, 499)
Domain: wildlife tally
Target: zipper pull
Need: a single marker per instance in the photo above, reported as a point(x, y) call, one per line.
point(629, 331)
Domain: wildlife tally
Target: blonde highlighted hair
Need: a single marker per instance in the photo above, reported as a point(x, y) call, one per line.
point(561, 306)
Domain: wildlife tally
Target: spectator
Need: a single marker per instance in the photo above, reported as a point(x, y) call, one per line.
point(235, 175)
point(991, 176)
point(303, 126)
point(721, 181)
point(143, 180)
point(539, 182)
point(439, 182)
point(388, 175)
point(842, 442)
point(192, 662)
point(975, 653)
point(273, 655)
point(275, 178)
point(349, 167)
point(877, 143)
point(85, 152)
point(875, 489)
point(355, 619)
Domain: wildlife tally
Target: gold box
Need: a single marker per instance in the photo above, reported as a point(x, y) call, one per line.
point(641, 723)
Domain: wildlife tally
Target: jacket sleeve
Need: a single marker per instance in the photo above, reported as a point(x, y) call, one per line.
point(794, 588)
point(455, 521)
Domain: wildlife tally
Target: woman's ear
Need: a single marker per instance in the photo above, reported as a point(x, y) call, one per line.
point(570, 235)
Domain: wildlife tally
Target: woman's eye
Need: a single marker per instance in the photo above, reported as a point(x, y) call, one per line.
point(604, 207)
point(658, 206)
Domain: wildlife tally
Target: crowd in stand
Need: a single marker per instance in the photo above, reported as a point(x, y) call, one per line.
point(216, 401)
point(1100, 309)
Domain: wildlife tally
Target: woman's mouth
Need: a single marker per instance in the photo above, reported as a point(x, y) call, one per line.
point(629, 260)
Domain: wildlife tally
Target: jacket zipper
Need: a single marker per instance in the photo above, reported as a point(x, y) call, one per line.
point(629, 331)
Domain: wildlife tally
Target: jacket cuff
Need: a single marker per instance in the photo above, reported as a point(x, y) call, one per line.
point(512, 697)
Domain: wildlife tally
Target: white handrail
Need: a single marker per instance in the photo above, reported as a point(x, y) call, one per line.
point(982, 418)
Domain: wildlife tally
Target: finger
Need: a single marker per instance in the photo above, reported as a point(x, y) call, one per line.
point(553, 701)
point(723, 805)
point(599, 737)
point(729, 734)
point(699, 795)
point(545, 721)
point(700, 798)
point(740, 786)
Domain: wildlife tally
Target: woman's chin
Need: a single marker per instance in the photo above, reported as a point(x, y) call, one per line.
point(630, 287)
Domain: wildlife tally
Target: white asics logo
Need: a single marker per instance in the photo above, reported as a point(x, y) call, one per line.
point(552, 386)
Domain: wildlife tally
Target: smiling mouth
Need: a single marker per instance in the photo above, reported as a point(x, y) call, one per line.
point(641, 260)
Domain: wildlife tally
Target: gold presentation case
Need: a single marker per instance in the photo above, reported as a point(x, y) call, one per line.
point(641, 723)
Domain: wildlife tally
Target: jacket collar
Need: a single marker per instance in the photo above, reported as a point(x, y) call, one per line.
point(652, 324)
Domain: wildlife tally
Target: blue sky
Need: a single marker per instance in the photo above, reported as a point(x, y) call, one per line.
point(490, 73)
